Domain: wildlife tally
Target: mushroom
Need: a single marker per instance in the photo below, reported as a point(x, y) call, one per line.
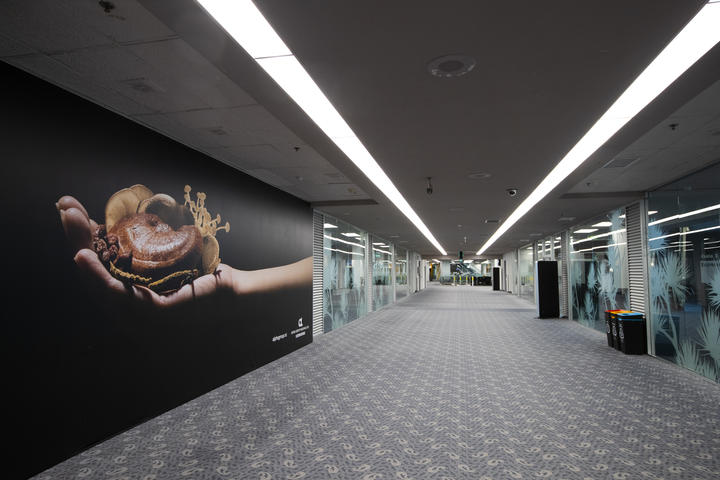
point(141, 191)
point(165, 207)
point(124, 203)
point(210, 254)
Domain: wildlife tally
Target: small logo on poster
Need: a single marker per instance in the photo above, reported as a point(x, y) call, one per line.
point(300, 322)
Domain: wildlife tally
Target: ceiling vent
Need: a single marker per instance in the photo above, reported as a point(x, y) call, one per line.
point(493, 220)
point(566, 219)
point(620, 162)
point(451, 66)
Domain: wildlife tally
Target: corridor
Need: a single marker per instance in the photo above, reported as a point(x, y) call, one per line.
point(452, 382)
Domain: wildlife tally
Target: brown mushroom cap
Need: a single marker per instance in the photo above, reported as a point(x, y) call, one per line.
point(155, 248)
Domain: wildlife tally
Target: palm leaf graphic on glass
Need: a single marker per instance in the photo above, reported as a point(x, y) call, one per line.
point(586, 310)
point(709, 333)
point(714, 290)
point(689, 357)
point(589, 311)
point(606, 285)
point(667, 277)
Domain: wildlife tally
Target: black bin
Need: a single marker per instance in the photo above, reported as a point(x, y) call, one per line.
point(608, 326)
point(611, 327)
point(631, 333)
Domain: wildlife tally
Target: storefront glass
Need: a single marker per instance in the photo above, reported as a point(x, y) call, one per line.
point(401, 271)
point(344, 250)
point(526, 272)
point(382, 273)
point(598, 269)
point(684, 270)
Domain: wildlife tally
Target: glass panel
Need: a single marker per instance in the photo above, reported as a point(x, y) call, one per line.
point(344, 249)
point(401, 271)
point(526, 272)
point(598, 269)
point(684, 270)
point(382, 273)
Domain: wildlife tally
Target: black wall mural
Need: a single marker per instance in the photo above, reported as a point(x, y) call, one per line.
point(130, 296)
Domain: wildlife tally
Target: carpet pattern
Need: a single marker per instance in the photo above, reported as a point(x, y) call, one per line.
point(450, 383)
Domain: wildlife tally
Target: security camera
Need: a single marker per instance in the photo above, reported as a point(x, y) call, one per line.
point(512, 191)
point(429, 188)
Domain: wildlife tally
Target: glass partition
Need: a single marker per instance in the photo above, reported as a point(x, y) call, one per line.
point(401, 272)
point(382, 273)
point(598, 269)
point(526, 273)
point(344, 250)
point(684, 270)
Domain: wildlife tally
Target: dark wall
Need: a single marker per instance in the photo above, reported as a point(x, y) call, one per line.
point(83, 365)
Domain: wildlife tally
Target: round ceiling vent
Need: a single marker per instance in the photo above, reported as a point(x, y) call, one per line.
point(451, 65)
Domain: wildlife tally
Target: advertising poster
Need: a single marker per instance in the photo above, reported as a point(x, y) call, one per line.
point(142, 273)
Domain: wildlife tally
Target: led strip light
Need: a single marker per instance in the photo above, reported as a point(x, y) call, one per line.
point(247, 25)
point(693, 41)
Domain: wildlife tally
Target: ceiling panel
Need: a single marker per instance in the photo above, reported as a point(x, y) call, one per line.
point(185, 73)
point(10, 47)
point(62, 25)
point(50, 69)
point(239, 126)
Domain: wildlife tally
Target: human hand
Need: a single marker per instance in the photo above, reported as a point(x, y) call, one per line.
point(79, 227)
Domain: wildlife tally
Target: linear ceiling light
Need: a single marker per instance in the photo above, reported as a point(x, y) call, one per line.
point(246, 24)
point(693, 41)
point(686, 214)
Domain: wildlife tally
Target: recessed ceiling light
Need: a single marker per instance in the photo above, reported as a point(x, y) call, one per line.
point(603, 224)
point(479, 176)
point(536, 234)
point(247, 25)
point(566, 219)
point(329, 225)
point(451, 66)
point(350, 234)
point(557, 238)
point(586, 230)
point(698, 36)
point(652, 212)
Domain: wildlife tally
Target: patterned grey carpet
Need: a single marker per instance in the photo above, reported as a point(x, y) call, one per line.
point(452, 383)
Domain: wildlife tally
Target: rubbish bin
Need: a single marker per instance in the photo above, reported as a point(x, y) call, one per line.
point(608, 325)
point(631, 333)
point(612, 325)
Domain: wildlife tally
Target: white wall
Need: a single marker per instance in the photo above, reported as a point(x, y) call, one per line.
point(510, 278)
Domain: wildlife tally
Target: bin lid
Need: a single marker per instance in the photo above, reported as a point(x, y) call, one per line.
point(630, 316)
